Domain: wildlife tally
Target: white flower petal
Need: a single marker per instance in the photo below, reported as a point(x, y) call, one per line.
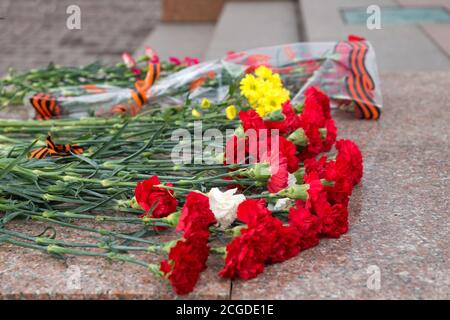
point(224, 205)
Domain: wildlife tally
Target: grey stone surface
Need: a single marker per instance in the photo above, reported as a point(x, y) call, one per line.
point(34, 32)
point(246, 25)
point(398, 48)
point(179, 39)
point(398, 214)
point(28, 274)
point(398, 223)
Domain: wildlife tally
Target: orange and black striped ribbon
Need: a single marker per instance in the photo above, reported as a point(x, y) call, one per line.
point(359, 83)
point(54, 150)
point(139, 94)
point(46, 106)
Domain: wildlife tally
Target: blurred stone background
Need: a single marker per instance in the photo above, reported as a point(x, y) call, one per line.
point(34, 32)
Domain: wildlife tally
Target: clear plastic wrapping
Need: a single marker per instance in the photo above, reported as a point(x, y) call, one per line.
point(346, 71)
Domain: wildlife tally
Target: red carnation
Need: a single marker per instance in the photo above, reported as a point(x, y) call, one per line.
point(342, 187)
point(330, 138)
point(187, 259)
point(286, 243)
point(315, 97)
point(318, 166)
point(279, 172)
point(290, 123)
point(195, 215)
point(317, 201)
point(252, 211)
point(265, 240)
point(316, 115)
point(148, 195)
point(345, 172)
point(349, 160)
point(307, 225)
point(251, 120)
point(333, 218)
point(315, 143)
point(288, 149)
point(247, 253)
point(335, 222)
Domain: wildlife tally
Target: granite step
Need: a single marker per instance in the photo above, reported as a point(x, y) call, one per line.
point(249, 24)
point(179, 39)
point(399, 48)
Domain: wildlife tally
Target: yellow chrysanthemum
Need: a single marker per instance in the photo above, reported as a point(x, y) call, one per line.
point(196, 114)
point(249, 86)
point(265, 92)
point(275, 80)
point(263, 73)
point(231, 112)
point(205, 103)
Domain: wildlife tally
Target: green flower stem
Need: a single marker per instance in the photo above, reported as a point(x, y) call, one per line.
point(45, 241)
point(110, 255)
point(102, 232)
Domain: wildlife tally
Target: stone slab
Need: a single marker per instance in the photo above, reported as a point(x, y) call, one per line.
point(245, 25)
point(179, 39)
point(398, 223)
point(398, 214)
point(398, 48)
point(440, 33)
point(33, 33)
point(422, 3)
point(29, 274)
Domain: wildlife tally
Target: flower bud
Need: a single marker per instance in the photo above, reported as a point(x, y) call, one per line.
point(298, 107)
point(260, 172)
point(239, 132)
point(70, 179)
point(107, 183)
point(276, 115)
point(298, 137)
point(299, 174)
point(231, 112)
point(295, 192)
point(323, 133)
point(55, 249)
point(172, 219)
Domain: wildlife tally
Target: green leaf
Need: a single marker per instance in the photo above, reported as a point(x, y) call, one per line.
point(108, 144)
point(145, 147)
point(13, 163)
point(87, 160)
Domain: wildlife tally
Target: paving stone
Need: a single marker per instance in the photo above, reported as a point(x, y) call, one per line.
point(398, 48)
point(246, 25)
point(398, 214)
point(440, 33)
point(35, 31)
point(179, 39)
point(28, 274)
point(427, 3)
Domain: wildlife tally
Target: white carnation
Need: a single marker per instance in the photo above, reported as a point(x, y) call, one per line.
point(224, 205)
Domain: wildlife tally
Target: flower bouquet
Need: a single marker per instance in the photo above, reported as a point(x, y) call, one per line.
point(263, 179)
